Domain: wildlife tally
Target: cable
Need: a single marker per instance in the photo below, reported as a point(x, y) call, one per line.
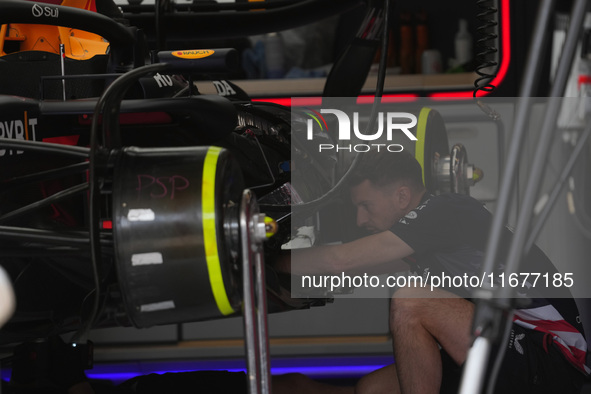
point(535, 177)
point(266, 162)
point(43, 236)
point(73, 169)
point(383, 60)
point(486, 30)
point(108, 104)
point(42, 252)
point(46, 201)
point(46, 147)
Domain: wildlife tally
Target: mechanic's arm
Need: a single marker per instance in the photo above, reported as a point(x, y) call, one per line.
point(383, 249)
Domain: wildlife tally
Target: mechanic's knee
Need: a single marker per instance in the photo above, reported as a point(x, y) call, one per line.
point(406, 306)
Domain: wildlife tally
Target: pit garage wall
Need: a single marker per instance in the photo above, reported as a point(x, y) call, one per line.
point(356, 325)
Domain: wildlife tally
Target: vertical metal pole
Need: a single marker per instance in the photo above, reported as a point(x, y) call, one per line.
point(253, 233)
point(62, 61)
point(544, 142)
point(474, 375)
point(527, 90)
point(488, 309)
point(516, 251)
point(250, 321)
point(263, 350)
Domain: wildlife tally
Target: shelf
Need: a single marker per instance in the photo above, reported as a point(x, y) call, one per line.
point(314, 86)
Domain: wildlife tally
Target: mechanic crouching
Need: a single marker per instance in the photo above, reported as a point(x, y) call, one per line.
point(446, 234)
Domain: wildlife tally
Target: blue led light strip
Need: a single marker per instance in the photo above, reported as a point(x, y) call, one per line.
point(317, 367)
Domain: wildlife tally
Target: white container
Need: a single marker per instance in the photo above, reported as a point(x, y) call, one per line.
point(431, 62)
point(463, 43)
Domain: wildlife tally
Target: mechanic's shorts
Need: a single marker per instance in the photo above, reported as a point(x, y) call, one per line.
point(531, 365)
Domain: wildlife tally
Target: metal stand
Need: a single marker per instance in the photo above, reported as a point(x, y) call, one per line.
point(493, 312)
point(252, 234)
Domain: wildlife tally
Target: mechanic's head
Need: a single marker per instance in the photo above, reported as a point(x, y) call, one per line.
point(384, 187)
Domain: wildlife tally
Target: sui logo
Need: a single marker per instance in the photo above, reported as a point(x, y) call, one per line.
point(38, 11)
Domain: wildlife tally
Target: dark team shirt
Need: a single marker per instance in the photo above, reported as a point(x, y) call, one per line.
point(449, 233)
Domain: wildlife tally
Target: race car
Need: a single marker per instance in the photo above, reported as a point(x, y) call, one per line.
point(64, 175)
